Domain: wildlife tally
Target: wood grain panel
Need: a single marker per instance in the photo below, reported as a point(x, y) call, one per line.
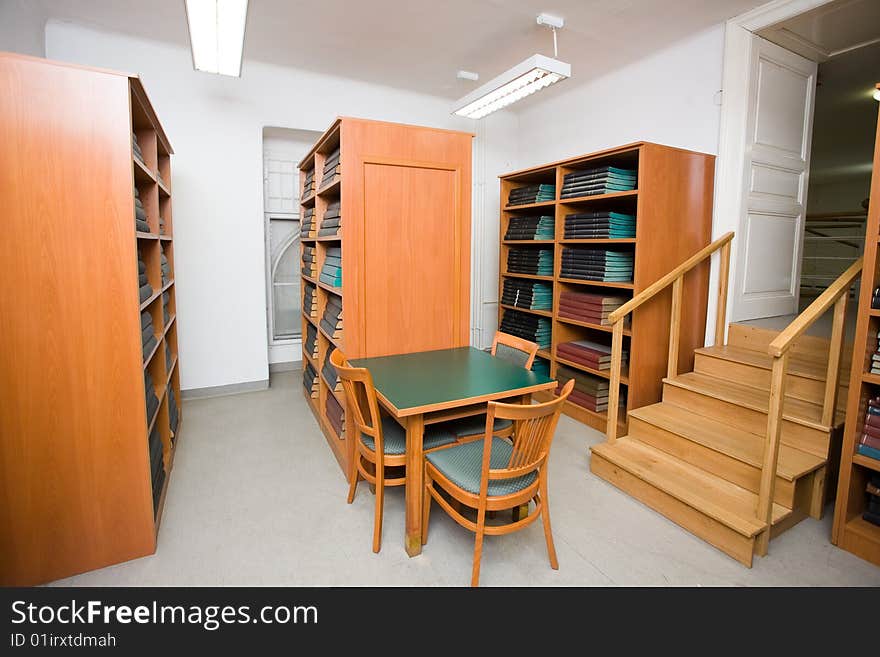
point(74, 471)
point(410, 241)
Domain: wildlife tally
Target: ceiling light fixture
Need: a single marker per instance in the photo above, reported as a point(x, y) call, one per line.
point(876, 94)
point(524, 79)
point(216, 34)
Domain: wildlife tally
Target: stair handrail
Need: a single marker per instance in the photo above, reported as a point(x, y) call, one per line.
point(674, 278)
point(836, 295)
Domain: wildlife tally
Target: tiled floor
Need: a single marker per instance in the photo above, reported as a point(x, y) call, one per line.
point(256, 498)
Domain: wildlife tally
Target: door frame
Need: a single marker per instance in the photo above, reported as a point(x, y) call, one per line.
point(730, 171)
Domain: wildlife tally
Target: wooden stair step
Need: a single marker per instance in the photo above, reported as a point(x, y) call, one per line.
point(736, 443)
point(712, 496)
point(797, 365)
point(794, 410)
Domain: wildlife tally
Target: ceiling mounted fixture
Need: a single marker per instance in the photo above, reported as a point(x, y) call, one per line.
point(216, 34)
point(524, 79)
point(876, 94)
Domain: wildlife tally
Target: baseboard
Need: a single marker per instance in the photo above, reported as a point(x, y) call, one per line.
point(220, 391)
point(285, 367)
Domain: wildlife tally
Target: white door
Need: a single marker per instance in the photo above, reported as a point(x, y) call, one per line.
point(779, 128)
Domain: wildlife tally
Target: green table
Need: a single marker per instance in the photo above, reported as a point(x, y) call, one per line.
point(435, 386)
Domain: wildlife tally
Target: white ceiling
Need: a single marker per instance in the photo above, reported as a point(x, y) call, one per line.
point(829, 30)
point(420, 44)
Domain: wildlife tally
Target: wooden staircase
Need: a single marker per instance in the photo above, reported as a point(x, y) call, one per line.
point(738, 449)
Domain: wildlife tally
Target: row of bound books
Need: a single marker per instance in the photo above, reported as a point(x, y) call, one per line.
point(310, 261)
point(595, 355)
point(331, 322)
point(148, 334)
point(872, 510)
point(534, 261)
point(588, 307)
point(331, 376)
point(538, 227)
point(600, 225)
point(527, 326)
point(598, 180)
point(332, 170)
point(335, 414)
point(527, 294)
point(309, 184)
point(311, 342)
point(310, 380)
point(331, 272)
point(331, 221)
point(310, 301)
point(597, 264)
point(541, 366)
point(157, 465)
point(590, 391)
point(307, 226)
point(875, 299)
point(531, 194)
point(869, 443)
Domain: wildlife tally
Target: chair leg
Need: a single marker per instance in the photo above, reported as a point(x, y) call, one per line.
point(426, 509)
point(545, 516)
point(352, 487)
point(380, 507)
point(478, 546)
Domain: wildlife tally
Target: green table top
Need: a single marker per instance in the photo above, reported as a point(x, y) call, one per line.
point(429, 380)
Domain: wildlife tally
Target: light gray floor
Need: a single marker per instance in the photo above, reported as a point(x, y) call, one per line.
point(256, 498)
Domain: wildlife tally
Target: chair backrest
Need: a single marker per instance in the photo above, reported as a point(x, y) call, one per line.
point(360, 397)
point(534, 427)
point(516, 350)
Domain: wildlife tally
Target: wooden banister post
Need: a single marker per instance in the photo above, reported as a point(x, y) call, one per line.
point(767, 486)
point(674, 327)
point(721, 314)
point(614, 387)
point(832, 374)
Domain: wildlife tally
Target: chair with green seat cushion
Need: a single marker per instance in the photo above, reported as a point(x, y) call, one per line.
point(510, 348)
point(462, 465)
point(383, 441)
point(395, 437)
point(494, 474)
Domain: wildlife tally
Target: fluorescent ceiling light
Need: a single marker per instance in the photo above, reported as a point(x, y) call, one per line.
point(216, 34)
point(876, 94)
point(524, 79)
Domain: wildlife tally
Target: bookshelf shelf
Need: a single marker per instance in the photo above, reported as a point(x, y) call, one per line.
point(673, 210)
point(866, 461)
point(624, 377)
point(388, 200)
point(123, 447)
point(851, 531)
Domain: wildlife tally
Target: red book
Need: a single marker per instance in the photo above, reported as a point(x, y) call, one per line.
point(873, 420)
point(874, 432)
point(870, 441)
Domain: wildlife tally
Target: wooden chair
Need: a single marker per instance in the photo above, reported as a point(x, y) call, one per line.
point(508, 347)
point(382, 441)
point(496, 474)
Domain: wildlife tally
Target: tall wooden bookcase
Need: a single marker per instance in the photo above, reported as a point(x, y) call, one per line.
point(673, 208)
point(76, 483)
point(405, 197)
point(852, 532)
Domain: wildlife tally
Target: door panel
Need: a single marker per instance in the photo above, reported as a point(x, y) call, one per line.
point(778, 133)
point(410, 256)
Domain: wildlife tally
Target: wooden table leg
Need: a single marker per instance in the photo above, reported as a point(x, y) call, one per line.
point(415, 429)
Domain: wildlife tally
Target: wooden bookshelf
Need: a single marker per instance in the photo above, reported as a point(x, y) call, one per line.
point(673, 209)
point(404, 195)
point(75, 459)
point(850, 531)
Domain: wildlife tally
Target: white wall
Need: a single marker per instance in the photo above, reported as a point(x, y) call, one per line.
point(22, 24)
point(215, 126)
point(669, 97)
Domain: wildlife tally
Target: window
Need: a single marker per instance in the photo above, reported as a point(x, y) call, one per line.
point(284, 297)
